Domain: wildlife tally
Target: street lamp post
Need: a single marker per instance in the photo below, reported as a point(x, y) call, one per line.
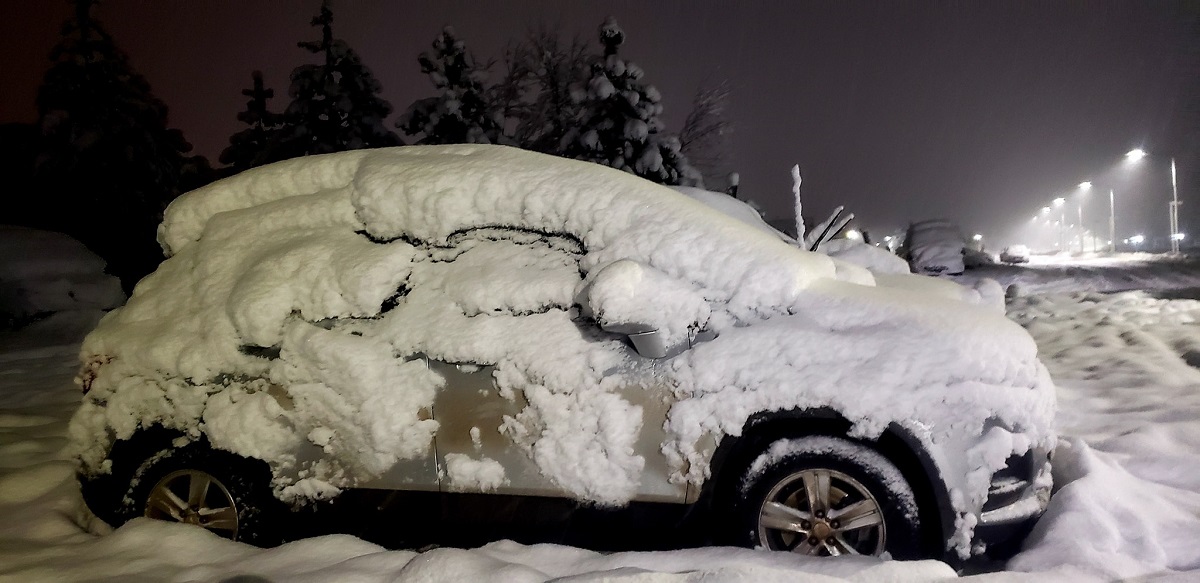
point(1137, 154)
point(1061, 202)
point(1045, 213)
point(1084, 187)
point(1112, 223)
point(1174, 211)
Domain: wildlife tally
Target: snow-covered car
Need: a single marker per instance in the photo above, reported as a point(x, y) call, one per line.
point(481, 322)
point(1015, 254)
point(934, 247)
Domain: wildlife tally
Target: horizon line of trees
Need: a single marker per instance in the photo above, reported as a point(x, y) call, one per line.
point(101, 163)
point(553, 96)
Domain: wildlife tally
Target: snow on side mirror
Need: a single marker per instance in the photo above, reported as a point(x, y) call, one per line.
point(658, 313)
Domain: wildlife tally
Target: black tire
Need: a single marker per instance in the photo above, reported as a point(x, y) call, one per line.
point(868, 507)
point(243, 484)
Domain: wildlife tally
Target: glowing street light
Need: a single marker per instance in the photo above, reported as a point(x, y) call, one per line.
point(1136, 155)
point(853, 235)
point(1085, 186)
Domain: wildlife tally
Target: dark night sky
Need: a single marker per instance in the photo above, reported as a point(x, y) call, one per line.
point(977, 111)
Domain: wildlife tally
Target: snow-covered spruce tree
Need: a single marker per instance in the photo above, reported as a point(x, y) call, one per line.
point(534, 93)
point(620, 125)
point(335, 104)
point(249, 147)
point(460, 113)
point(107, 163)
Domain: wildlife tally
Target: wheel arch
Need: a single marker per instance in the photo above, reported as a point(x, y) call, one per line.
point(104, 493)
point(130, 457)
point(897, 444)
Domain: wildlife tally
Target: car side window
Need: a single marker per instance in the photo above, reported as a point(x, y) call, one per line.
point(507, 271)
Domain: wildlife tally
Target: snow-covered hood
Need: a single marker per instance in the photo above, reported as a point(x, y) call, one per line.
point(952, 339)
point(878, 354)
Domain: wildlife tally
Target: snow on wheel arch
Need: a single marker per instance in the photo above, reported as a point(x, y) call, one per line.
point(838, 448)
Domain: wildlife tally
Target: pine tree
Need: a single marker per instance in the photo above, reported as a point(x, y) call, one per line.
point(620, 120)
point(107, 162)
point(250, 147)
point(461, 112)
point(335, 104)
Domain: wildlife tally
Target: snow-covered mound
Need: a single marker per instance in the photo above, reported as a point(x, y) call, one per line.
point(873, 258)
point(302, 300)
point(53, 290)
point(1128, 370)
point(43, 271)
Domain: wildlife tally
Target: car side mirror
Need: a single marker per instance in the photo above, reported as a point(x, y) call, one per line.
point(659, 314)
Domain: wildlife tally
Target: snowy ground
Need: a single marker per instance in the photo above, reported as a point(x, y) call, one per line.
point(1127, 471)
point(1092, 272)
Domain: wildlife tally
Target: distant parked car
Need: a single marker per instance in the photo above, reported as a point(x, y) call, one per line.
point(1015, 254)
point(487, 325)
point(973, 258)
point(935, 247)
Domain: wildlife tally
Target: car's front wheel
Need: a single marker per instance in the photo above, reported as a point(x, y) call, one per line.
point(827, 496)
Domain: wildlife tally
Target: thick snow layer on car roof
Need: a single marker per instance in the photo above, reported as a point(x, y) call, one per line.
point(733, 207)
point(430, 193)
point(300, 300)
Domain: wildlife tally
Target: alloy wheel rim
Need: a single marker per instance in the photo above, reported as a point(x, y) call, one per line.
point(194, 497)
point(822, 512)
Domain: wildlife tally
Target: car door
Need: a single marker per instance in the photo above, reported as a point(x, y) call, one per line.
point(475, 450)
point(419, 473)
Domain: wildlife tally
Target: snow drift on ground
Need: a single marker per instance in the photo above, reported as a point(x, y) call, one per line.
point(43, 272)
point(1128, 479)
point(1105, 273)
point(480, 255)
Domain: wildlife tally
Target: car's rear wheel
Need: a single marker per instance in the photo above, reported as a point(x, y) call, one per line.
point(226, 494)
point(194, 497)
point(827, 496)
